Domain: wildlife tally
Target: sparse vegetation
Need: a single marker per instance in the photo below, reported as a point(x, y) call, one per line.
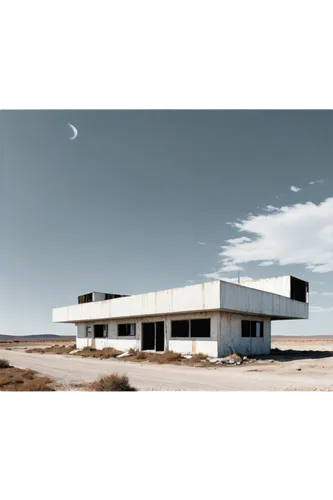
point(139, 356)
point(54, 349)
point(17, 379)
point(4, 363)
point(106, 353)
point(165, 357)
point(113, 382)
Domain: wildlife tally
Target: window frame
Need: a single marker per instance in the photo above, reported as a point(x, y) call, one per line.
point(189, 336)
point(253, 328)
point(205, 336)
point(127, 336)
point(177, 336)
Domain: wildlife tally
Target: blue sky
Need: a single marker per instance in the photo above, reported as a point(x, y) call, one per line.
point(148, 200)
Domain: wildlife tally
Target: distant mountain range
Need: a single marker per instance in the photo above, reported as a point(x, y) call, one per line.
point(36, 336)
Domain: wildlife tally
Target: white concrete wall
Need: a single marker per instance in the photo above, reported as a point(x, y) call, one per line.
point(209, 347)
point(241, 299)
point(120, 344)
point(279, 286)
point(231, 340)
point(226, 336)
point(203, 297)
point(188, 345)
point(204, 345)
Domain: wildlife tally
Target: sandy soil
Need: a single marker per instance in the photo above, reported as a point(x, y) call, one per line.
point(32, 343)
point(303, 343)
point(308, 366)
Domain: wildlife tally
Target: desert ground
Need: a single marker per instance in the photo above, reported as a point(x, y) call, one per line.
point(300, 364)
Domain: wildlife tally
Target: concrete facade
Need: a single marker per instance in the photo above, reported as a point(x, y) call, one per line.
point(224, 304)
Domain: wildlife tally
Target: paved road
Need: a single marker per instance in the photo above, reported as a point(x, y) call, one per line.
point(146, 376)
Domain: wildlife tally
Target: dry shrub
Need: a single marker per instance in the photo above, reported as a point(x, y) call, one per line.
point(37, 384)
point(165, 357)
point(4, 381)
point(113, 382)
point(140, 355)
point(86, 351)
point(54, 349)
point(201, 356)
point(4, 363)
point(106, 353)
point(27, 374)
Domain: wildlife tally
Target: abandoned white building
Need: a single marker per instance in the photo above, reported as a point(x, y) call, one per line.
point(214, 318)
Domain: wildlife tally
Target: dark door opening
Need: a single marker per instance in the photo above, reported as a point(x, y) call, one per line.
point(148, 336)
point(153, 336)
point(159, 334)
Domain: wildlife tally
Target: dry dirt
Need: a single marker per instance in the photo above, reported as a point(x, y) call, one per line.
point(17, 379)
point(300, 364)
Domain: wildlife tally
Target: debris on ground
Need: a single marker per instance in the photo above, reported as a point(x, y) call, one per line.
point(233, 359)
point(123, 355)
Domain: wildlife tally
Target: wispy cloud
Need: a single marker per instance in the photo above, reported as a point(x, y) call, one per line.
point(221, 276)
point(201, 242)
point(270, 208)
point(189, 282)
point(297, 234)
point(320, 181)
point(266, 263)
point(320, 309)
point(295, 189)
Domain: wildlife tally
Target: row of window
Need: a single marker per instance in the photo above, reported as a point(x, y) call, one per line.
point(194, 328)
point(184, 328)
point(102, 331)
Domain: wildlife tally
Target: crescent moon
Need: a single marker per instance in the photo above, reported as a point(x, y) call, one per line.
point(75, 131)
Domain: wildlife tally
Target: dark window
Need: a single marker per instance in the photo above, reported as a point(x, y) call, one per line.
point(246, 328)
point(126, 329)
point(298, 289)
point(82, 299)
point(100, 331)
point(109, 296)
point(180, 328)
point(200, 328)
point(252, 328)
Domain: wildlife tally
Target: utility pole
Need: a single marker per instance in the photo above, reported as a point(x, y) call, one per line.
point(238, 278)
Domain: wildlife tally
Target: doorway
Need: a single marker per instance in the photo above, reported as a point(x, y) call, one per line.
point(153, 336)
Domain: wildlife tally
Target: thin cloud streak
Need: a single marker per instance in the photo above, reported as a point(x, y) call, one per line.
point(320, 309)
point(320, 181)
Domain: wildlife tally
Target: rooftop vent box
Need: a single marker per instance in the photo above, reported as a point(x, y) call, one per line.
point(97, 296)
